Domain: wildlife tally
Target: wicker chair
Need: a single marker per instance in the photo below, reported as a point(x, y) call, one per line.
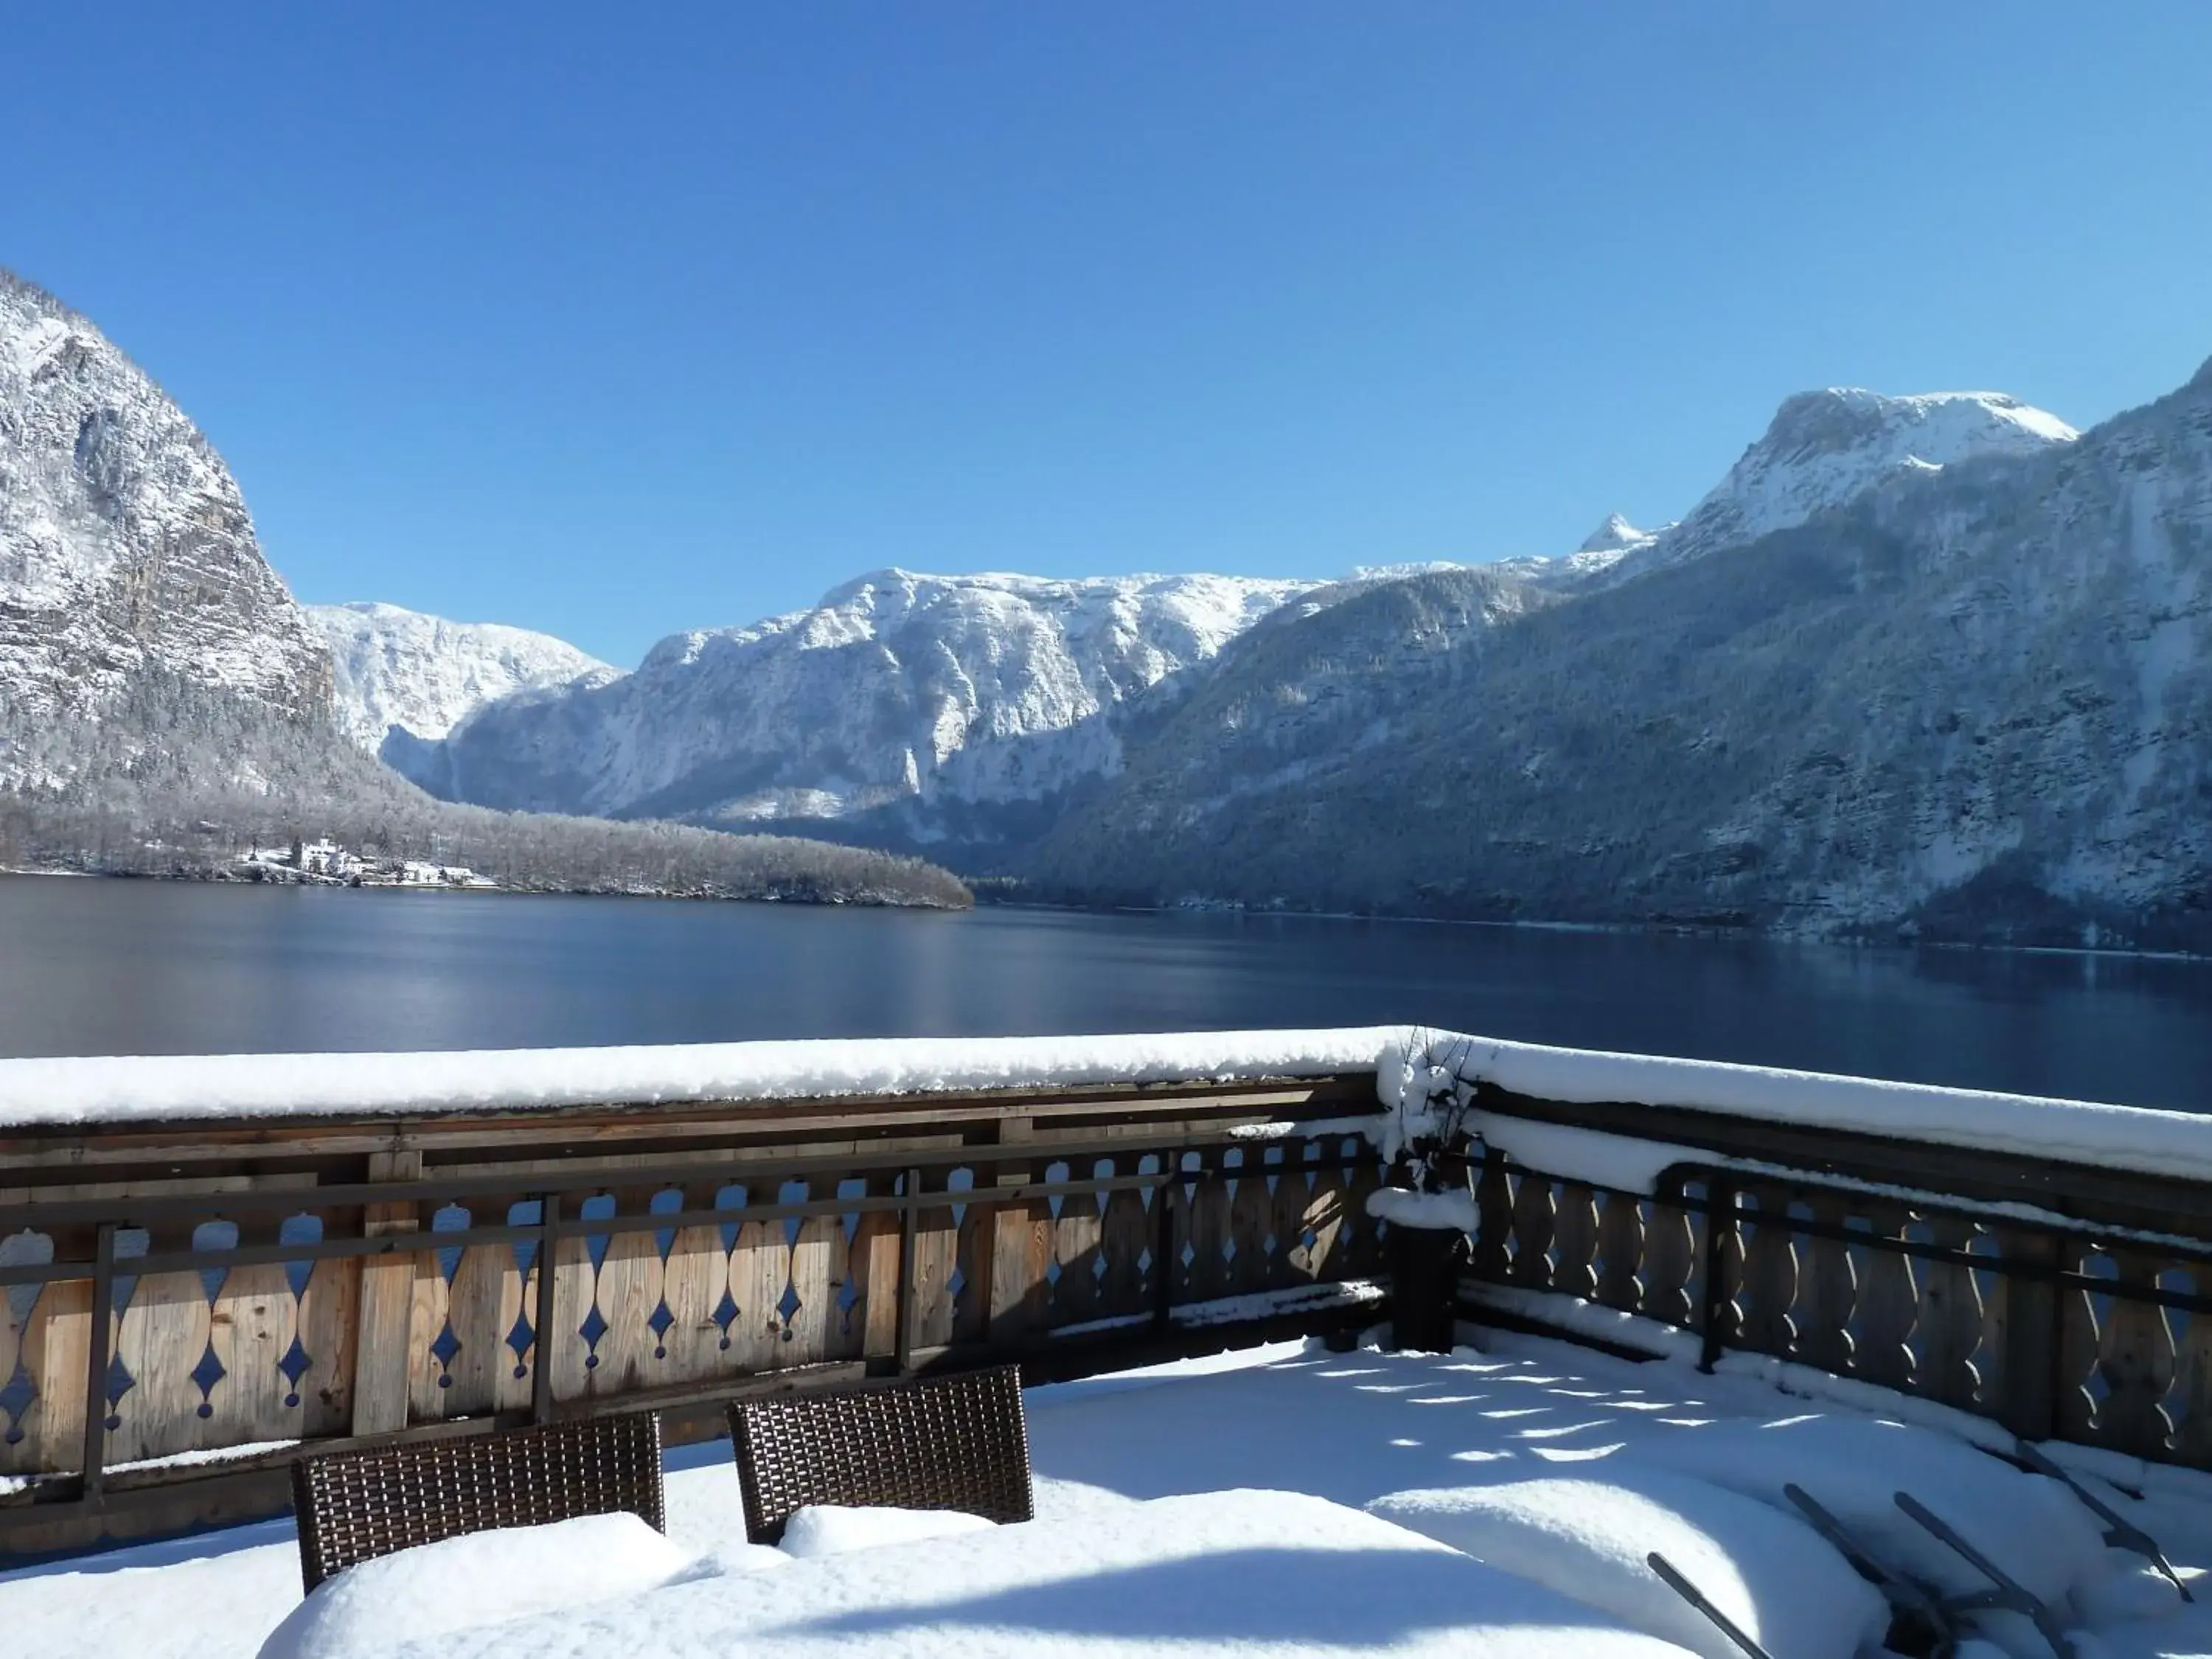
point(355, 1506)
point(952, 1443)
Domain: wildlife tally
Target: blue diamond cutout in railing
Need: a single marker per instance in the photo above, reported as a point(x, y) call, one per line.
point(661, 1319)
point(17, 1397)
point(119, 1381)
point(445, 1346)
point(594, 1328)
point(725, 1313)
point(294, 1365)
point(205, 1375)
point(519, 1339)
point(788, 1304)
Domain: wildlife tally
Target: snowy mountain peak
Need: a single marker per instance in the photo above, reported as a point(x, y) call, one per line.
point(902, 691)
point(126, 552)
point(399, 669)
point(1615, 535)
point(1825, 448)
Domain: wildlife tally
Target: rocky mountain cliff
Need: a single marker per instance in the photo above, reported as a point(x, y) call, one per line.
point(902, 707)
point(125, 548)
point(404, 679)
point(164, 702)
point(1969, 698)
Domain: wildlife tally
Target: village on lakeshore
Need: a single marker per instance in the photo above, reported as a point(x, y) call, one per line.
point(328, 863)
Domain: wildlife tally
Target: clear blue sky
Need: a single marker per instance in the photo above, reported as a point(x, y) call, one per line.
point(614, 320)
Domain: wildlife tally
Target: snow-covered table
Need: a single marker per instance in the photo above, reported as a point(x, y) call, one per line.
point(1272, 1573)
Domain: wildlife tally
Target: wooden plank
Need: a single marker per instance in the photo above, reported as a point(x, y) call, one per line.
point(1889, 1306)
point(250, 1330)
point(482, 1301)
point(328, 1322)
point(1021, 1250)
point(1620, 1252)
point(693, 1280)
point(936, 1259)
point(1951, 1318)
point(574, 1295)
point(1533, 1203)
point(2137, 1358)
point(426, 1322)
point(1365, 1257)
point(971, 1303)
point(382, 1344)
point(1769, 1284)
point(2190, 1402)
point(1206, 1223)
point(875, 1257)
point(814, 1281)
point(1127, 1231)
point(1670, 1253)
point(759, 1269)
point(1250, 1227)
point(55, 1352)
point(1574, 1233)
point(2074, 1405)
point(1827, 1289)
point(159, 1340)
point(1291, 1265)
point(2026, 1337)
point(1492, 1258)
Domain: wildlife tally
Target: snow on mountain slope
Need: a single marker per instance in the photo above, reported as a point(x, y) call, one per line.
point(423, 675)
point(1972, 701)
point(125, 548)
point(898, 692)
point(1616, 535)
point(1825, 448)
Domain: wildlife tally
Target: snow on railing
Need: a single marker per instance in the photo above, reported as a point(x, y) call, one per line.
point(111, 1090)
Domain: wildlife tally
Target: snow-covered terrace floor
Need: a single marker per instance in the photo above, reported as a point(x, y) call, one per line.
point(1357, 1428)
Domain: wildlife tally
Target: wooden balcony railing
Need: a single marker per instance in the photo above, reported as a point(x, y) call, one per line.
point(248, 1288)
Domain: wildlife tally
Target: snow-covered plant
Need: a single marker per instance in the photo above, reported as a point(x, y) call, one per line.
point(1421, 1080)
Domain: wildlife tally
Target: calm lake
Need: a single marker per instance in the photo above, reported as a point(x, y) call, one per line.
point(131, 967)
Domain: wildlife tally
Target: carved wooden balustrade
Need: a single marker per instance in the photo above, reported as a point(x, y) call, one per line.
point(213, 1287)
point(2065, 1301)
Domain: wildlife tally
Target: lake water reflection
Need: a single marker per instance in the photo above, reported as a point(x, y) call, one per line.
point(125, 967)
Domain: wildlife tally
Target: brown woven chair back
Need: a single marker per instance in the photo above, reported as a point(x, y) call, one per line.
point(951, 1443)
point(355, 1506)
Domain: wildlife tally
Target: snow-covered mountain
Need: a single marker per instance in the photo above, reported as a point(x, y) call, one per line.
point(126, 553)
point(1974, 699)
point(1825, 448)
point(909, 702)
point(421, 676)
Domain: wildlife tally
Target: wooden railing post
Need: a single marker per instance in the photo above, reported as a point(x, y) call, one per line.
point(910, 1212)
point(96, 1362)
point(383, 1337)
point(541, 1318)
point(1014, 1299)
